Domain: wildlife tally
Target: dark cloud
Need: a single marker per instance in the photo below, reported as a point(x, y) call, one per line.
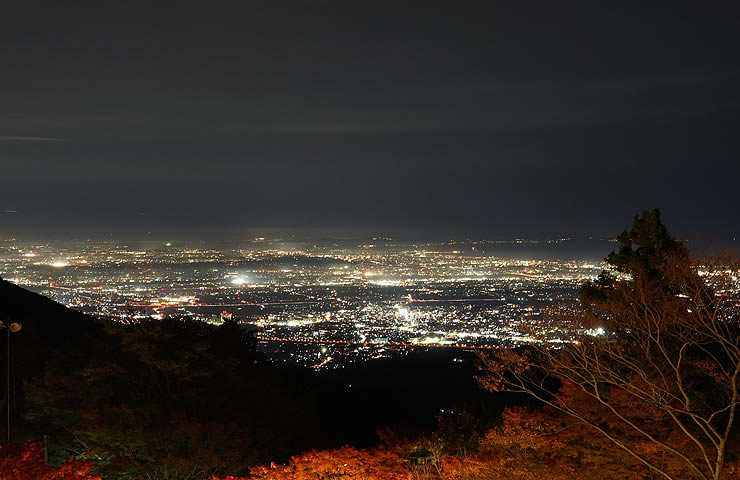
point(19, 138)
point(540, 118)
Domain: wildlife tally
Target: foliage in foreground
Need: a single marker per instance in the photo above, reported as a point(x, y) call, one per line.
point(26, 462)
point(345, 462)
point(529, 444)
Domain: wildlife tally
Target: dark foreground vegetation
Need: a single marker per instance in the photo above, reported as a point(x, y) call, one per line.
point(648, 387)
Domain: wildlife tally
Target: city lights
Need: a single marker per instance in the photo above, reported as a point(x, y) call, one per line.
point(365, 299)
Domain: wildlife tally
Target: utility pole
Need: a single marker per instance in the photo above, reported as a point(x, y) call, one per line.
point(11, 328)
point(8, 397)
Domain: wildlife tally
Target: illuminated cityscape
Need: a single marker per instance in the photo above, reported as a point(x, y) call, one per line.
point(318, 305)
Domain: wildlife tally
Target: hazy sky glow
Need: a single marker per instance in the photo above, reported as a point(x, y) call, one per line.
point(538, 119)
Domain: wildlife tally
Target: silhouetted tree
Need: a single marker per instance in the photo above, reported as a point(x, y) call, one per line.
point(663, 371)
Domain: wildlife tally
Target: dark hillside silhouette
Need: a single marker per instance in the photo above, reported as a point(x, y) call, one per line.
point(42, 317)
point(46, 326)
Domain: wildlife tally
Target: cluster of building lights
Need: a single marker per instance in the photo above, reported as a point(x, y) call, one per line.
point(360, 296)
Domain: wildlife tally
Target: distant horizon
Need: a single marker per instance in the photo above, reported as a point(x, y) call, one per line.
point(500, 224)
point(597, 246)
point(473, 231)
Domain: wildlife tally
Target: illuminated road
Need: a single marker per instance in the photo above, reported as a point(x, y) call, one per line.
point(391, 344)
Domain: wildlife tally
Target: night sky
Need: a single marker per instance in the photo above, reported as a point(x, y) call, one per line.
point(506, 118)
